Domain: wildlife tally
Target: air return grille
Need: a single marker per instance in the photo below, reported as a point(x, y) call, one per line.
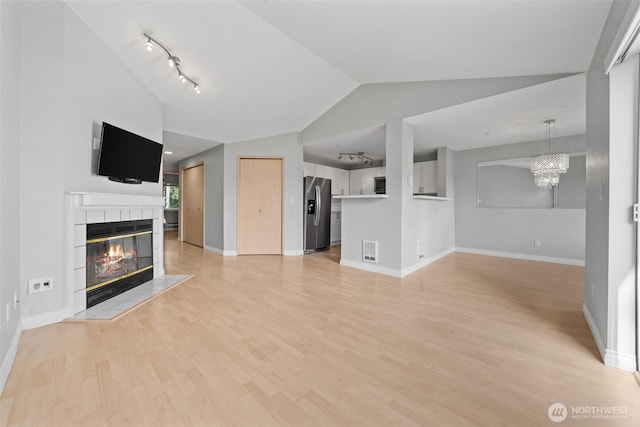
point(370, 250)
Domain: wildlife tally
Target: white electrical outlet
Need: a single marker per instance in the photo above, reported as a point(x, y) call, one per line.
point(40, 285)
point(421, 249)
point(537, 243)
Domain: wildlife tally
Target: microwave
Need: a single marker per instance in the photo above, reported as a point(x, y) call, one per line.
point(380, 185)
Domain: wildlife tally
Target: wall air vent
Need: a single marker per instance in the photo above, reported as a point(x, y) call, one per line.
point(370, 250)
point(421, 249)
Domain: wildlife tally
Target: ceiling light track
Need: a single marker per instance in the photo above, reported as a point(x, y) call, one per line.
point(172, 60)
point(357, 156)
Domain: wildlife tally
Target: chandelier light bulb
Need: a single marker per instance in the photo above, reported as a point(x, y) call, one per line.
point(148, 45)
point(182, 78)
point(196, 89)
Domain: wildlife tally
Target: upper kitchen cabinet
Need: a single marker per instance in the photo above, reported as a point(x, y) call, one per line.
point(435, 177)
point(425, 178)
point(339, 177)
point(362, 181)
point(356, 186)
point(339, 181)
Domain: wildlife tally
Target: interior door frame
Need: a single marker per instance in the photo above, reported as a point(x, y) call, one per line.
point(181, 212)
point(239, 158)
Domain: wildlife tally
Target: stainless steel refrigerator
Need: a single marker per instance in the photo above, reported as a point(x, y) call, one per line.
point(317, 215)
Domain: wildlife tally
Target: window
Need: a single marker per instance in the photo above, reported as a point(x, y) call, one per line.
point(171, 196)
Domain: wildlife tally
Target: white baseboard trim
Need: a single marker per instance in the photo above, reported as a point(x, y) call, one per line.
point(394, 272)
point(374, 268)
point(293, 253)
point(7, 363)
point(426, 261)
point(220, 251)
point(594, 330)
point(610, 357)
point(528, 257)
point(235, 253)
point(214, 250)
point(44, 319)
point(626, 362)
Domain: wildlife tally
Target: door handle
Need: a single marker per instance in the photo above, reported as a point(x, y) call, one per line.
point(319, 203)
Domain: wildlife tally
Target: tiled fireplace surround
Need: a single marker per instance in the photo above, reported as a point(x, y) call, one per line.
point(93, 208)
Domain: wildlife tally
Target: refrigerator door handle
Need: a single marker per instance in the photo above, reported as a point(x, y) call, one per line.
point(319, 207)
point(316, 219)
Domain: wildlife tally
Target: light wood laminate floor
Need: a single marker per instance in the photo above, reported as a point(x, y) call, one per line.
point(267, 340)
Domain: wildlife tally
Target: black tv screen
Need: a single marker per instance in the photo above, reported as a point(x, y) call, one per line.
point(127, 157)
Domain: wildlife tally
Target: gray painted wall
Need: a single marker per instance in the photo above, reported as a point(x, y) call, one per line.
point(213, 160)
point(62, 83)
point(501, 186)
point(623, 193)
point(598, 245)
point(561, 231)
point(287, 146)
point(572, 190)
point(397, 223)
point(58, 82)
point(10, 59)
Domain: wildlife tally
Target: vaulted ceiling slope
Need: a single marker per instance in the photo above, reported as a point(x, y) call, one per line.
point(271, 67)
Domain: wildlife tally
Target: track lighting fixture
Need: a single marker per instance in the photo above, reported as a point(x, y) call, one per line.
point(358, 156)
point(173, 61)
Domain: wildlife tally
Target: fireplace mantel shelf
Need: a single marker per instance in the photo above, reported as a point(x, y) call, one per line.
point(107, 199)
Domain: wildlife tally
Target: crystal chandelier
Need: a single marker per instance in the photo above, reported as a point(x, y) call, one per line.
point(547, 168)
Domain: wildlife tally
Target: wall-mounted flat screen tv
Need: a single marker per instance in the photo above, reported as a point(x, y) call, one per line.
point(127, 157)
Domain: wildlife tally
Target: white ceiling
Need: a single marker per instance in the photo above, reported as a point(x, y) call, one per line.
point(271, 67)
point(507, 118)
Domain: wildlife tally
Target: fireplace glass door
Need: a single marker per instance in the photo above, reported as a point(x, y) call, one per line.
point(118, 256)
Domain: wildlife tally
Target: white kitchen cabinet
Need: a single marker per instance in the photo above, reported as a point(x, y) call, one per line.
point(308, 169)
point(336, 228)
point(368, 180)
point(340, 182)
point(425, 177)
point(355, 182)
point(362, 181)
point(339, 177)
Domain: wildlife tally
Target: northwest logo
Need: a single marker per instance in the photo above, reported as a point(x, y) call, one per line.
point(557, 412)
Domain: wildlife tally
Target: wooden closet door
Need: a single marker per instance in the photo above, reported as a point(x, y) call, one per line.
point(259, 218)
point(193, 205)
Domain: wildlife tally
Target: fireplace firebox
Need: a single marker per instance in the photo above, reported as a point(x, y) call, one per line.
point(119, 258)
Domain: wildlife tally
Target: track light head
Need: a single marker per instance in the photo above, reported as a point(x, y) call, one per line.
point(173, 61)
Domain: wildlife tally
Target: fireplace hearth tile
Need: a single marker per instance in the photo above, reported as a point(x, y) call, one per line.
point(125, 302)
